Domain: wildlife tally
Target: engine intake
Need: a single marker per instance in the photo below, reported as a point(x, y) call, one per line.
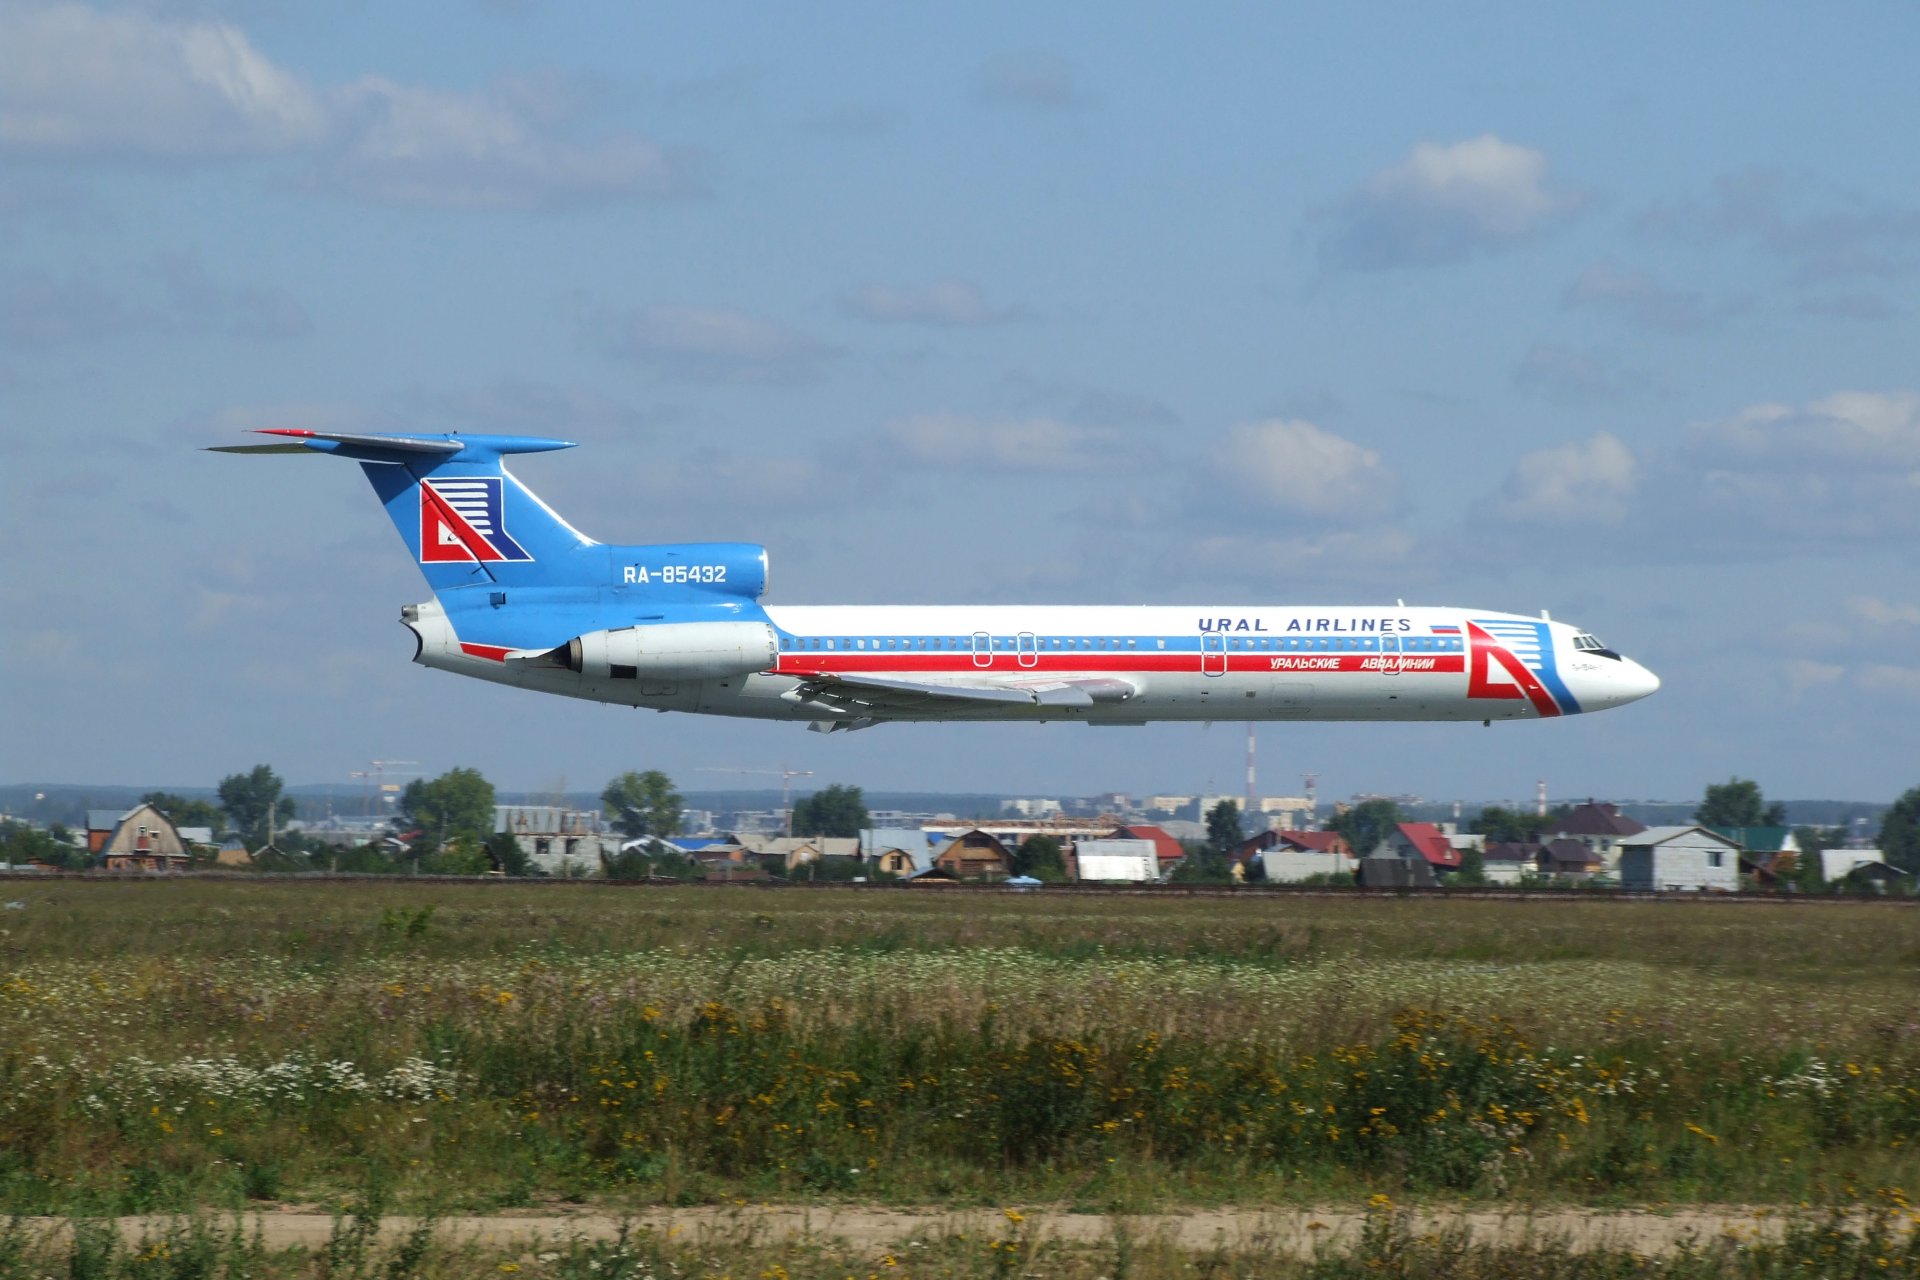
point(669, 651)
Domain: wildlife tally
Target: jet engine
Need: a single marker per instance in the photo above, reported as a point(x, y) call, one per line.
point(669, 651)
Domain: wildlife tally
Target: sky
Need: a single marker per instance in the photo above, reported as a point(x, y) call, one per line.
point(1605, 310)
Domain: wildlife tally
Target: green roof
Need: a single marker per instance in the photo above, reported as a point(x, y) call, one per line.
point(1756, 839)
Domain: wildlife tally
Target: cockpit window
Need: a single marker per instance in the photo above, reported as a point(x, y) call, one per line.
point(1591, 644)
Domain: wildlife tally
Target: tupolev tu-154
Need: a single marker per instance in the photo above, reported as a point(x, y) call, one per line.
point(522, 598)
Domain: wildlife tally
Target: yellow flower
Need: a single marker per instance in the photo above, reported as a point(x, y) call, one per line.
point(1014, 1216)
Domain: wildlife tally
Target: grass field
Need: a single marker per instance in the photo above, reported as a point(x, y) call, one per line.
point(193, 1045)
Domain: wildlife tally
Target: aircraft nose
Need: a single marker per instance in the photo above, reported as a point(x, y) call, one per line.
point(1635, 681)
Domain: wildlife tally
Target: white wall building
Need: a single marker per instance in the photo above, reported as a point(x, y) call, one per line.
point(1679, 858)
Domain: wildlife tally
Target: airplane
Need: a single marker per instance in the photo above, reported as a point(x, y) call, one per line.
point(522, 598)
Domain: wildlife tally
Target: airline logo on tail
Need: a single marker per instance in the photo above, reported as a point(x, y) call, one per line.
point(465, 519)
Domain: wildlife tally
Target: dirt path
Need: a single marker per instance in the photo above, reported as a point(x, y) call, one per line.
point(1289, 1231)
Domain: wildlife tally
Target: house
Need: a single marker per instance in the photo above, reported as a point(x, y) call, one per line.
point(1111, 861)
point(1389, 871)
point(1692, 859)
point(1860, 867)
point(1167, 849)
point(974, 855)
point(1597, 825)
point(784, 855)
point(233, 853)
point(557, 840)
point(144, 839)
point(1768, 853)
point(1420, 842)
point(1288, 857)
point(1510, 862)
point(1568, 858)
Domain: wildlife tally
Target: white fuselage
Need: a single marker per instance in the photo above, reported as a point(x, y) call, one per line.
point(1144, 663)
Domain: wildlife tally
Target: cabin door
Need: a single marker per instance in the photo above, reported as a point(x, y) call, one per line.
point(1213, 654)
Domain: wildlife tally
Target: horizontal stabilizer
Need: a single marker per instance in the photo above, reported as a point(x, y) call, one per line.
point(420, 450)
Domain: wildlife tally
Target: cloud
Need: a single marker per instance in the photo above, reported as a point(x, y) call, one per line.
point(1644, 301)
point(1883, 613)
point(75, 80)
point(1840, 470)
point(1566, 376)
point(952, 304)
point(1582, 482)
point(172, 294)
point(1447, 203)
point(710, 344)
point(1903, 682)
point(1030, 80)
point(1851, 237)
point(1027, 445)
point(1288, 468)
point(408, 145)
point(1852, 430)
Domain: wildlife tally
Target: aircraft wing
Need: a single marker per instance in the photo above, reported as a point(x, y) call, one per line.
point(846, 693)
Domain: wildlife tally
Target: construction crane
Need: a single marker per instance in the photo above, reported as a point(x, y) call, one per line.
point(376, 779)
point(786, 777)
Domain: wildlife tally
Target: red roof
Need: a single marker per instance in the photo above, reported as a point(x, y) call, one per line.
point(1165, 847)
point(1322, 841)
point(1431, 843)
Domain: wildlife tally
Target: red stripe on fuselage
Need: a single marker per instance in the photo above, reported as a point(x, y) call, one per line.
point(491, 652)
point(1187, 663)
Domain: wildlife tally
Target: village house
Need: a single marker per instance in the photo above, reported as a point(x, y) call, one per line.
point(1599, 827)
point(142, 839)
point(1769, 854)
point(1167, 849)
point(1568, 858)
point(1420, 842)
point(1860, 868)
point(1691, 859)
point(1288, 857)
point(1511, 861)
point(974, 855)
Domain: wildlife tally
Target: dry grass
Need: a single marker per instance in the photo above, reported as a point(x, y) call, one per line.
point(169, 1045)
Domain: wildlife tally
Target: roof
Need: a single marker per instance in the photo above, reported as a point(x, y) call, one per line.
point(1513, 851)
point(1430, 843)
point(1759, 839)
point(1319, 841)
point(1165, 847)
point(1594, 818)
point(1660, 835)
point(104, 819)
point(1567, 852)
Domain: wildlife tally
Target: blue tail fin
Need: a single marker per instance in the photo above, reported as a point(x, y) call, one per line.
point(465, 518)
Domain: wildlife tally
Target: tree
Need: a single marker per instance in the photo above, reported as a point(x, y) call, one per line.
point(1900, 832)
point(457, 803)
point(642, 805)
point(508, 858)
point(20, 844)
point(1366, 825)
point(1224, 832)
point(1507, 826)
point(832, 811)
point(1737, 802)
point(1040, 857)
point(1472, 869)
point(184, 812)
point(253, 803)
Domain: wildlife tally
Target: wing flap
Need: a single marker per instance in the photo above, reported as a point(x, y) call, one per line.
point(852, 693)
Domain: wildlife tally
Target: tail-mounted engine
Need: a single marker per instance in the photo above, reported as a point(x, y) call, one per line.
point(667, 651)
